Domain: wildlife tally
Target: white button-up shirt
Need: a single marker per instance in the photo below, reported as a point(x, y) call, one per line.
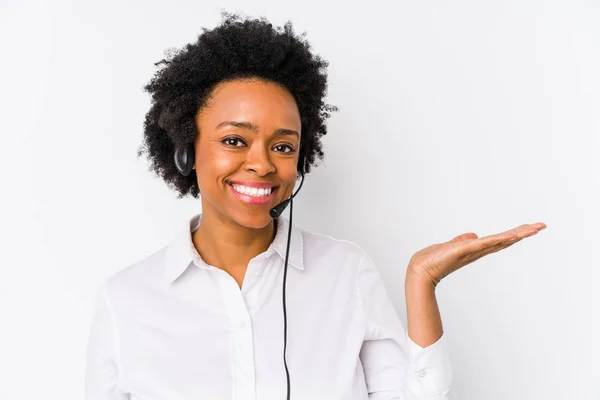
point(172, 327)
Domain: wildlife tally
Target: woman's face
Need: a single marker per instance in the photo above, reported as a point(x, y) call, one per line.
point(249, 137)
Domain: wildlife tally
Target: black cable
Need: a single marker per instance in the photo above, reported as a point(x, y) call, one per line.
point(287, 252)
point(275, 212)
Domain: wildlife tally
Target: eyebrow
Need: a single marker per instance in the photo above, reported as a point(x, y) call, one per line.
point(250, 126)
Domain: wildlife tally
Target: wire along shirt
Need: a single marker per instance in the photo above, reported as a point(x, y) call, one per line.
point(171, 327)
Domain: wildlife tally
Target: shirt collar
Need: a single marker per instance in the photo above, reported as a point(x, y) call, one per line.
point(180, 252)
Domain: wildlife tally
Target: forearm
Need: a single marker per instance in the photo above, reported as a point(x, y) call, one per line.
point(423, 315)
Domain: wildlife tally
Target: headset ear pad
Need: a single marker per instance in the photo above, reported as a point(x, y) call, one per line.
point(184, 159)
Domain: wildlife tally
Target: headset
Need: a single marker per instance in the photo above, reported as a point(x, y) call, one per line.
point(184, 161)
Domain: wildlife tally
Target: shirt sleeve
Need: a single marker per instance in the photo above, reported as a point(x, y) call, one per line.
point(101, 376)
point(395, 367)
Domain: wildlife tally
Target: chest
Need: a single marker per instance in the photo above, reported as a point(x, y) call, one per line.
point(215, 340)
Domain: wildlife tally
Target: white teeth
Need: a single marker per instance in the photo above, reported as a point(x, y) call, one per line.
point(251, 191)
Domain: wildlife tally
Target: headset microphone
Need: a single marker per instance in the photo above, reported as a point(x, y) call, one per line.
point(276, 211)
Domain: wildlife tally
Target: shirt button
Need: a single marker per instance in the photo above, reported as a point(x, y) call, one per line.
point(422, 373)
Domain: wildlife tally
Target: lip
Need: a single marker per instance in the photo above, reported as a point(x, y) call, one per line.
point(262, 200)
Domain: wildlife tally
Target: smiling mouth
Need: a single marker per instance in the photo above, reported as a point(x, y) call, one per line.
point(253, 191)
point(254, 195)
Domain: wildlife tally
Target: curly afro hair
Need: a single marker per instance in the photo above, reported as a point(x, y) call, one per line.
point(236, 49)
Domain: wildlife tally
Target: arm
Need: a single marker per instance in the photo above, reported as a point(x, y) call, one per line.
point(432, 264)
point(422, 312)
point(396, 367)
point(101, 375)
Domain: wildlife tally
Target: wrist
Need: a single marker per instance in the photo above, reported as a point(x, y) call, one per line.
point(418, 279)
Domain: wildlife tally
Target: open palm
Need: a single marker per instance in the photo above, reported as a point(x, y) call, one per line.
point(439, 260)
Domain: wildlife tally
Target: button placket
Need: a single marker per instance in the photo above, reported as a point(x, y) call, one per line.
point(244, 360)
point(242, 339)
point(253, 276)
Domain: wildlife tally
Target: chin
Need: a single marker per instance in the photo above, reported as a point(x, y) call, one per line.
point(257, 220)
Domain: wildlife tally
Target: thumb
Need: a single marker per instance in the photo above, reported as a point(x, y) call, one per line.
point(464, 236)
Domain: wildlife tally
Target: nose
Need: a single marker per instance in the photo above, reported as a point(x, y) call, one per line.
point(259, 160)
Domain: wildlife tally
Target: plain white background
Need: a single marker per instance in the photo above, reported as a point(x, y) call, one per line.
point(455, 117)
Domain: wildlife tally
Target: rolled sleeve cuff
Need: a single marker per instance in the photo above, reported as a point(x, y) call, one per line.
point(430, 370)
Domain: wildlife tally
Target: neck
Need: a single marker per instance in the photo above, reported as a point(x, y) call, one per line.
point(223, 243)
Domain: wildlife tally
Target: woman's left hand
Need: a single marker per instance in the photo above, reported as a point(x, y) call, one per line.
point(434, 263)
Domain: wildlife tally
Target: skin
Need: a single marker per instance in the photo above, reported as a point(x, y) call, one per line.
point(430, 265)
point(231, 232)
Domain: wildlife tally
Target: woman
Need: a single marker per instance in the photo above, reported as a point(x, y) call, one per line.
point(217, 314)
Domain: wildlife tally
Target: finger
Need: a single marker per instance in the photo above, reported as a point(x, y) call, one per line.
point(520, 232)
point(527, 228)
point(492, 241)
point(468, 258)
point(467, 251)
point(493, 248)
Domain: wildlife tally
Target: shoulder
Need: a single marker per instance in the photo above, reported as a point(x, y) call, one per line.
point(138, 277)
point(319, 246)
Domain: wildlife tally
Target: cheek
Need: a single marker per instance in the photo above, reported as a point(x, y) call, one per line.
point(214, 159)
point(224, 164)
point(289, 177)
point(213, 168)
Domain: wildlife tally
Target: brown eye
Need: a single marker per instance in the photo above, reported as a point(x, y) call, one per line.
point(233, 141)
point(284, 146)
